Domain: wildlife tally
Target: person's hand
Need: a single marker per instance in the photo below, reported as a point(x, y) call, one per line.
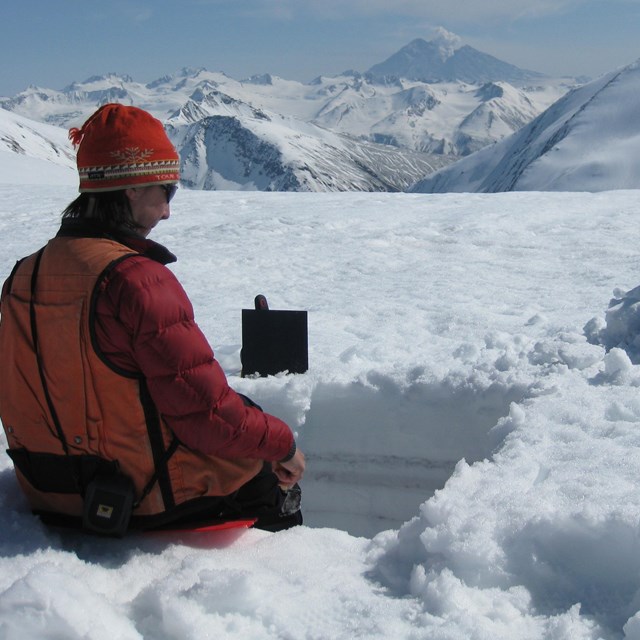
point(291, 471)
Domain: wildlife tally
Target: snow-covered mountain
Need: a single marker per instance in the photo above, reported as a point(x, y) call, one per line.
point(350, 132)
point(451, 119)
point(223, 152)
point(587, 141)
point(228, 144)
point(443, 59)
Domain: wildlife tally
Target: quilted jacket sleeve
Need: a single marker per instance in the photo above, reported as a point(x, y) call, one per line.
point(145, 324)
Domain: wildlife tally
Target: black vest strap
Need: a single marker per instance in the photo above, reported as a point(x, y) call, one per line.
point(36, 349)
point(160, 456)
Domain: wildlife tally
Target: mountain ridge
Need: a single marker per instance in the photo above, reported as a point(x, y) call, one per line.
point(379, 133)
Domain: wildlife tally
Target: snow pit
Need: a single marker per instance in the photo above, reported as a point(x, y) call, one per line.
point(377, 450)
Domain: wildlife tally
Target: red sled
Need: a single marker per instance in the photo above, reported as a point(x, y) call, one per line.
point(206, 528)
point(207, 536)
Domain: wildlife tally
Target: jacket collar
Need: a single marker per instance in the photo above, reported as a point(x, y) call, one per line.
point(76, 228)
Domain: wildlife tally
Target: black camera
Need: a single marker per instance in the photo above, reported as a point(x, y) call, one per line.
point(108, 504)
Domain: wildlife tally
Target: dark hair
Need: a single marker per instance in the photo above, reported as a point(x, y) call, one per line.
point(110, 208)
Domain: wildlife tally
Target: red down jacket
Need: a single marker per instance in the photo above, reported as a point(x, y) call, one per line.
point(145, 322)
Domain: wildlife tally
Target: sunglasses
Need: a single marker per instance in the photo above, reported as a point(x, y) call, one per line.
point(169, 190)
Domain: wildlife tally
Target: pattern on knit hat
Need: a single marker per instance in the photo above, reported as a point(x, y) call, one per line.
point(121, 147)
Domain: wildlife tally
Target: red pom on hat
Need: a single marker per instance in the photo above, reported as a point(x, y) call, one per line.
point(121, 147)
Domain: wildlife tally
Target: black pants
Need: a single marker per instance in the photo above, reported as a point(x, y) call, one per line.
point(263, 498)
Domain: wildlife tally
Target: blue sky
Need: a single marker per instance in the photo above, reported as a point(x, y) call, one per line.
point(51, 43)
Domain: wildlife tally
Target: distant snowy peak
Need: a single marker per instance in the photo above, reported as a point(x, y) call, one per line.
point(104, 81)
point(61, 108)
point(589, 140)
point(72, 105)
point(175, 78)
point(184, 82)
point(264, 79)
point(439, 61)
point(502, 111)
point(207, 100)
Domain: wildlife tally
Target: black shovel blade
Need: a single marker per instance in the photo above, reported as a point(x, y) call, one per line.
point(273, 342)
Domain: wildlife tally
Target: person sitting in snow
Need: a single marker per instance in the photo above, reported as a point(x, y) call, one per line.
point(104, 372)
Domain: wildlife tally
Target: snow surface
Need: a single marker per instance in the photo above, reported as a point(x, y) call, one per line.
point(454, 339)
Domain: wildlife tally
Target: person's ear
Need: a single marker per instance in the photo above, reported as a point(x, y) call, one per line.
point(132, 194)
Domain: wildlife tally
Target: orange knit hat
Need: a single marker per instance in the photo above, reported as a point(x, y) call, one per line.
point(121, 147)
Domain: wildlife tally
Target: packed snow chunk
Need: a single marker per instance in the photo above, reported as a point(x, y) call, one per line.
point(632, 628)
point(622, 324)
point(617, 364)
point(507, 424)
point(573, 352)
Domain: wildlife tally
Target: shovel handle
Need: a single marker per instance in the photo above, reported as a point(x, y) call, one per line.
point(261, 303)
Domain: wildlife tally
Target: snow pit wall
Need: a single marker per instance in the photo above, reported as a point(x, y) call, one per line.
point(377, 450)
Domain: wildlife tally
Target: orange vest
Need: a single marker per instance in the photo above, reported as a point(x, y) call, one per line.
point(105, 414)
